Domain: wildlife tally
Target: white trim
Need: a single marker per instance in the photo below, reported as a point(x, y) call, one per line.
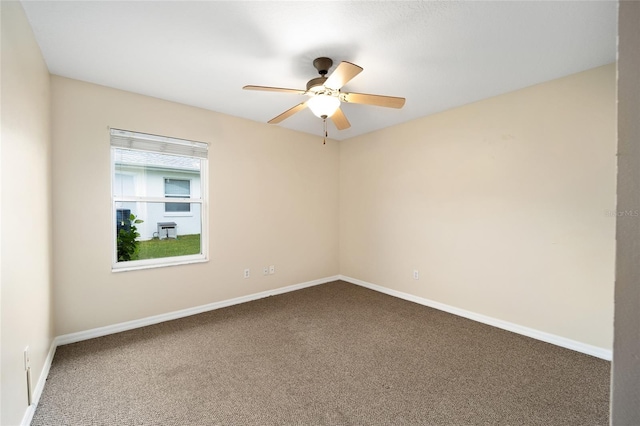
point(143, 322)
point(135, 265)
point(585, 348)
point(37, 392)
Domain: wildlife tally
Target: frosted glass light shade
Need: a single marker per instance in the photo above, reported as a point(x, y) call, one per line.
point(323, 105)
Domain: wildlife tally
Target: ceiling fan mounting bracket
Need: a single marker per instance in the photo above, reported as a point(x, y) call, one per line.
point(322, 65)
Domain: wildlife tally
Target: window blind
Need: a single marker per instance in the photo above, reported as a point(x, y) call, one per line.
point(162, 144)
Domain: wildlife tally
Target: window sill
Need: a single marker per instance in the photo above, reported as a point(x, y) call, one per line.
point(157, 263)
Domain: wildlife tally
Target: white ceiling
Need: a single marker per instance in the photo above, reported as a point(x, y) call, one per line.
point(438, 55)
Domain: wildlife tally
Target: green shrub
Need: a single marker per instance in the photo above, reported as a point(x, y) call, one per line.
point(127, 243)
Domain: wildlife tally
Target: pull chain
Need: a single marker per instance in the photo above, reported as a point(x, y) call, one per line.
point(324, 141)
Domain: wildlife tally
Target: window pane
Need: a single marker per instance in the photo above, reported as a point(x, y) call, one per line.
point(152, 174)
point(123, 184)
point(155, 235)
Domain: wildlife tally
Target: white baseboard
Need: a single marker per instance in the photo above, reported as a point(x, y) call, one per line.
point(143, 322)
point(37, 391)
point(596, 351)
point(28, 415)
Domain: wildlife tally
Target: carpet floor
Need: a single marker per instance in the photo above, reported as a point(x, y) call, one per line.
point(333, 354)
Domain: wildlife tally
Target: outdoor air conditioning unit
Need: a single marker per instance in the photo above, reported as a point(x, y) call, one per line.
point(167, 230)
point(122, 220)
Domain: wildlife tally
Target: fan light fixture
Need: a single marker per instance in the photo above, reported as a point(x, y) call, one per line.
point(325, 94)
point(323, 106)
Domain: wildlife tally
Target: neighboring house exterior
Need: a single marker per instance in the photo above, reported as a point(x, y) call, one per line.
point(151, 174)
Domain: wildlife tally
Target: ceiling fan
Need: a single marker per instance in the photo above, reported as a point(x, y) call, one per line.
point(325, 95)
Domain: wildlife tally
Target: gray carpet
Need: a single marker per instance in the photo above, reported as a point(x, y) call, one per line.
point(334, 354)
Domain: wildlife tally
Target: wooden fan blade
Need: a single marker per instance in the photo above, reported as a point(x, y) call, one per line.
point(341, 76)
point(340, 120)
point(274, 89)
point(288, 113)
point(377, 100)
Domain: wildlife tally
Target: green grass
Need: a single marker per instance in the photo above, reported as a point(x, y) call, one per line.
point(169, 247)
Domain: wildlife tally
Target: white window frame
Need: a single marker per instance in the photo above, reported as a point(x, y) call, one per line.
point(203, 256)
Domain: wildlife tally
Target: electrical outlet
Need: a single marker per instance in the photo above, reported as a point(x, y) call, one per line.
point(27, 359)
point(272, 269)
point(247, 273)
point(265, 270)
point(416, 274)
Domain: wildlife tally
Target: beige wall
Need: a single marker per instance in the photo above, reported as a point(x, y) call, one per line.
point(25, 211)
point(625, 385)
point(273, 201)
point(501, 206)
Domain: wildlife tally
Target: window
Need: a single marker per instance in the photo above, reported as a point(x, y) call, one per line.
point(158, 200)
point(177, 188)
